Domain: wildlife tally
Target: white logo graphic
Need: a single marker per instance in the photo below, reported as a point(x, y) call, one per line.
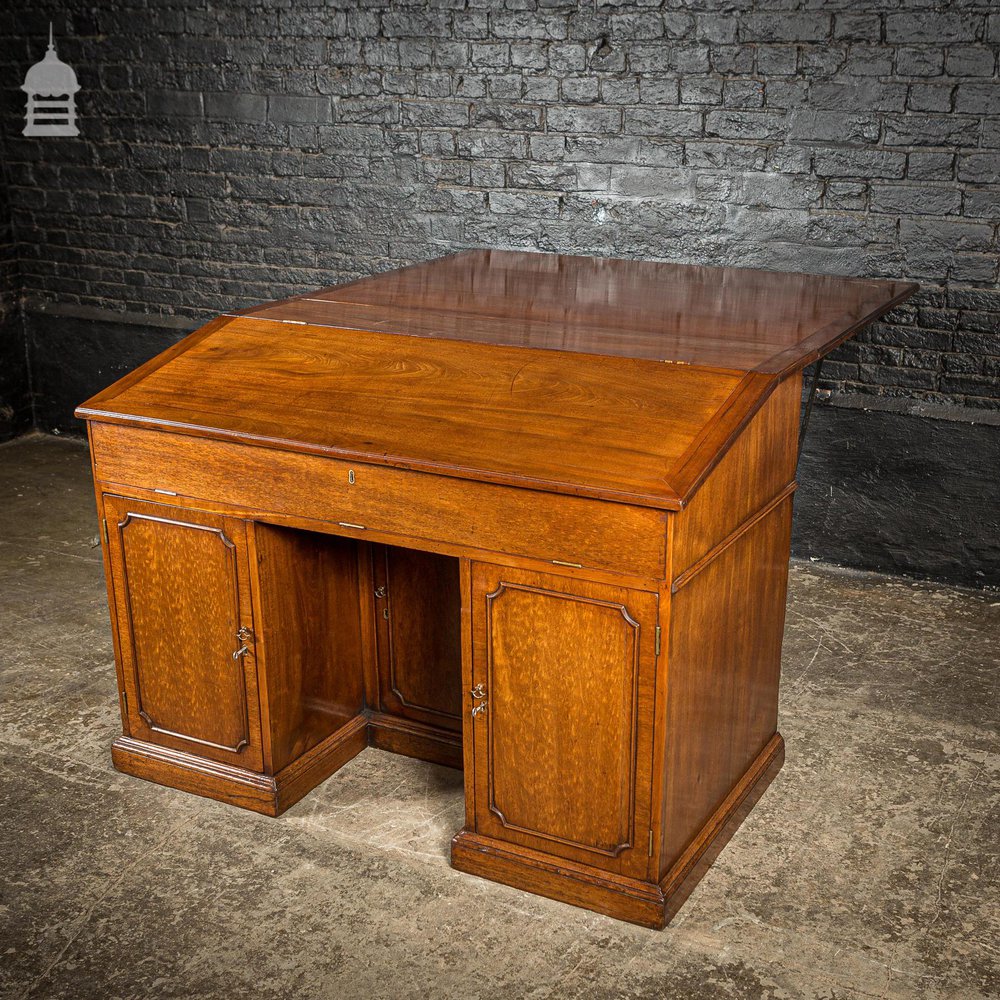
point(51, 86)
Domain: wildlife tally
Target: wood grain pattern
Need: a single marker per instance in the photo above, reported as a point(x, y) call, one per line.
point(688, 870)
point(549, 464)
point(195, 773)
point(727, 317)
point(758, 465)
point(646, 902)
point(417, 615)
point(724, 658)
point(562, 753)
point(610, 428)
point(181, 596)
point(105, 536)
point(415, 739)
point(401, 505)
point(308, 637)
point(263, 793)
point(304, 773)
point(619, 896)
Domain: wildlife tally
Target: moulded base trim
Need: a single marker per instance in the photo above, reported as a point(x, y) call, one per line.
point(545, 875)
point(415, 739)
point(649, 904)
point(263, 793)
point(687, 871)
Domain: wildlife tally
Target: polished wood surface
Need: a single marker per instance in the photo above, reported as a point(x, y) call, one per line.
point(308, 638)
point(562, 731)
point(181, 596)
point(758, 466)
point(725, 658)
point(729, 557)
point(524, 514)
point(445, 514)
point(644, 901)
point(612, 428)
point(767, 321)
point(419, 642)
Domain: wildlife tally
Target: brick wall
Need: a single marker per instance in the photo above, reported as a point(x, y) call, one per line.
point(15, 400)
point(232, 152)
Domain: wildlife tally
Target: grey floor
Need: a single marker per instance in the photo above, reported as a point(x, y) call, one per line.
point(871, 868)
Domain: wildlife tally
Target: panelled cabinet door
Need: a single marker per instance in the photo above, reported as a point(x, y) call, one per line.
point(419, 643)
point(182, 600)
point(562, 754)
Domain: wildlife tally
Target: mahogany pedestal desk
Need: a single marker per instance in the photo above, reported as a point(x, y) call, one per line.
point(525, 514)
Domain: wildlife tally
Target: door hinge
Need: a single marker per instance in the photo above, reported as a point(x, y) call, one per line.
point(125, 700)
point(650, 843)
point(657, 640)
point(106, 538)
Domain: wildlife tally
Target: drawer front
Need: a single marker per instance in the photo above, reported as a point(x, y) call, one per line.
point(548, 526)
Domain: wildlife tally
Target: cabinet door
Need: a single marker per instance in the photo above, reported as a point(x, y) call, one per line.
point(563, 680)
point(181, 594)
point(418, 620)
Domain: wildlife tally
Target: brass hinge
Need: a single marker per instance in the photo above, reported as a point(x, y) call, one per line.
point(657, 640)
point(106, 538)
point(125, 700)
point(650, 843)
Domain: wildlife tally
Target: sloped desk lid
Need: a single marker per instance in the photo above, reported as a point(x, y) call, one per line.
point(561, 389)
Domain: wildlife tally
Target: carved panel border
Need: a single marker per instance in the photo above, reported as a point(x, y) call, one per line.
point(131, 516)
point(634, 625)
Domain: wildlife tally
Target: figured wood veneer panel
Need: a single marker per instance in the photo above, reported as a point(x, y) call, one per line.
point(562, 757)
point(420, 643)
point(177, 592)
point(723, 667)
point(604, 427)
point(309, 637)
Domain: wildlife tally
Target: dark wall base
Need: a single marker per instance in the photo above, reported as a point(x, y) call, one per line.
point(15, 393)
point(879, 490)
point(72, 358)
point(901, 494)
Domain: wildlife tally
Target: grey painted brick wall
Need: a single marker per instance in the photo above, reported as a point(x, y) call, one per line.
point(233, 151)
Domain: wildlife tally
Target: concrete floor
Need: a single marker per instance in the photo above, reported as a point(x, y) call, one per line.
point(871, 868)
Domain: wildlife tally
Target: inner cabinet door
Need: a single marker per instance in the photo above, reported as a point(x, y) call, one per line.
point(561, 713)
point(419, 641)
point(185, 627)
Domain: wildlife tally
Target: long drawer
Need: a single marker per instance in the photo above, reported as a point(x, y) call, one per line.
point(548, 526)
